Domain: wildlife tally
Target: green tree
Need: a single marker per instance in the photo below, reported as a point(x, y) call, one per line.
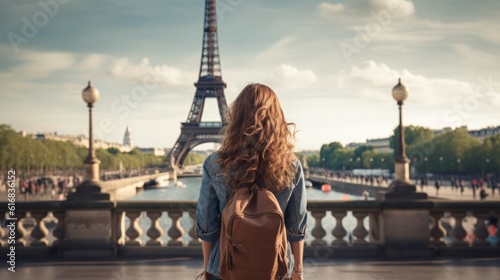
point(27, 155)
point(414, 135)
point(193, 159)
point(313, 160)
point(449, 153)
point(327, 153)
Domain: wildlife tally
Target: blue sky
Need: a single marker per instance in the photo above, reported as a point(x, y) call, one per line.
point(332, 63)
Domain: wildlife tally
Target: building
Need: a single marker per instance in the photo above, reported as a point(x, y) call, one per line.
point(444, 130)
point(127, 138)
point(380, 145)
point(153, 151)
point(485, 132)
point(79, 140)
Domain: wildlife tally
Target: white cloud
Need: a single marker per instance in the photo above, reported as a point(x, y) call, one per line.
point(328, 9)
point(374, 80)
point(432, 102)
point(289, 77)
point(42, 64)
point(92, 61)
point(366, 8)
point(165, 74)
point(472, 54)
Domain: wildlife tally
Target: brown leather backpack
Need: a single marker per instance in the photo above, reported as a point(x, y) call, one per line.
point(253, 243)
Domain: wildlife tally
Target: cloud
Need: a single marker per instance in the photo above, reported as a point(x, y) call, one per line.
point(328, 9)
point(289, 76)
point(92, 61)
point(275, 50)
point(432, 102)
point(366, 8)
point(374, 81)
point(42, 64)
point(165, 74)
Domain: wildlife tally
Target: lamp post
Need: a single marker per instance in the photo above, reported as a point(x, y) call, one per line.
point(399, 228)
point(458, 164)
point(441, 166)
point(90, 95)
point(485, 169)
point(90, 188)
point(400, 93)
point(402, 187)
point(426, 176)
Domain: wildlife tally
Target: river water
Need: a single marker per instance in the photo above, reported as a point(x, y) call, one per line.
point(191, 192)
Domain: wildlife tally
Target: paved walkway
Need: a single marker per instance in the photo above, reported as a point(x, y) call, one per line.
point(187, 268)
point(445, 191)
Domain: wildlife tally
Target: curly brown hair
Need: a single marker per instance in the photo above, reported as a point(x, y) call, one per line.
point(257, 144)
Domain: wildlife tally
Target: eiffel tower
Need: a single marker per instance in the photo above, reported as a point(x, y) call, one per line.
point(210, 85)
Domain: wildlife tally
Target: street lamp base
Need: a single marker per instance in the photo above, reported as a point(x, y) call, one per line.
point(88, 190)
point(404, 189)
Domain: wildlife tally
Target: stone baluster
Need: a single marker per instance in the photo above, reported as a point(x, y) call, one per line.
point(458, 232)
point(176, 231)
point(195, 241)
point(134, 231)
point(318, 231)
point(339, 231)
point(480, 230)
point(20, 230)
point(59, 231)
point(40, 232)
point(374, 224)
point(437, 231)
point(154, 232)
point(119, 227)
point(360, 231)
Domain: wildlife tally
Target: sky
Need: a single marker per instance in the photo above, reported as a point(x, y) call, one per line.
point(332, 64)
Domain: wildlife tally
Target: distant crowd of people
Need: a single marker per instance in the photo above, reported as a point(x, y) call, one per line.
point(43, 187)
point(479, 186)
point(57, 187)
point(361, 179)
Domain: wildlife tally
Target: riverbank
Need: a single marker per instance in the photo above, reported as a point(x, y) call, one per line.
point(444, 192)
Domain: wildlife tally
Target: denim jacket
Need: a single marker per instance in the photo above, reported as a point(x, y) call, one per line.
point(214, 195)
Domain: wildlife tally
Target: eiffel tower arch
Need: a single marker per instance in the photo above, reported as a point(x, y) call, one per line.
point(209, 85)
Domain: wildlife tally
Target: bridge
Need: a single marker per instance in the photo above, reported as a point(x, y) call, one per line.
point(54, 231)
point(436, 238)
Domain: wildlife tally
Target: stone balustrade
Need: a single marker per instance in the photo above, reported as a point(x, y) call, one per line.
point(343, 226)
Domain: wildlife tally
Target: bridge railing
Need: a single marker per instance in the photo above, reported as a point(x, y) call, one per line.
point(203, 124)
point(338, 225)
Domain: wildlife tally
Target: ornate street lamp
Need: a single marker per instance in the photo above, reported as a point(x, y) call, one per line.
point(400, 93)
point(402, 187)
point(426, 171)
point(90, 188)
point(90, 95)
point(485, 167)
point(441, 166)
